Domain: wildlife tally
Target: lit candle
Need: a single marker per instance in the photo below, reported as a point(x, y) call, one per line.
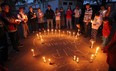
point(92, 42)
point(44, 32)
point(59, 32)
point(67, 32)
point(97, 49)
point(77, 60)
point(55, 31)
point(74, 58)
point(73, 34)
point(49, 61)
point(92, 57)
point(48, 31)
point(52, 31)
point(37, 35)
point(44, 59)
point(33, 52)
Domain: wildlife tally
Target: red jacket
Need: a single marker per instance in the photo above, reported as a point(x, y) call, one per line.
point(110, 49)
point(106, 29)
point(69, 14)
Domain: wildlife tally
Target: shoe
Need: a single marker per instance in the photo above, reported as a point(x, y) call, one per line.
point(20, 45)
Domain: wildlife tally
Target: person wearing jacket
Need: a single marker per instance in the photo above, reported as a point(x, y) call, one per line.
point(41, 21)
point(32, 19)
point(96, 23)
point(69, 18)
point(23, 17)
point(11, 24)
point(110, 49)
point(106, 31)
point(49, 16)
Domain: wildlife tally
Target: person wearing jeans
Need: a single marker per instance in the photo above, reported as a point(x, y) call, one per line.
point(49, 16)
point(69, 18)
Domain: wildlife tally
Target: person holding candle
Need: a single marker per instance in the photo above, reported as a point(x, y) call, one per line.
point(57, 17)
point(96, 23)
point(40, 17)
point(77, 14)
point(23, 17)
point(110, 49)
point(32, 19)
point(10, 23)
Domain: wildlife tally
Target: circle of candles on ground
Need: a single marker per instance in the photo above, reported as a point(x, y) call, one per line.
point(77, 60)
point(74, 58)
point(91, 58)
point(33, 52)
point(44, 59)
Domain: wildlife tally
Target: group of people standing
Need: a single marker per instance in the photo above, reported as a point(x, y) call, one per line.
point(9, 25)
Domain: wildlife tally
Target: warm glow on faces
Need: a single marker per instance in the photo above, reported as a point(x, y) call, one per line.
point(31, 9)
point(87, 6)
point(6, 8)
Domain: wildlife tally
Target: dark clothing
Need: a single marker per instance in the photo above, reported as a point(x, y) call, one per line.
point(49, 14)
point(87, 30)
point(3, 43)
point(11, 25)
point(110, 49)
point(32, 21)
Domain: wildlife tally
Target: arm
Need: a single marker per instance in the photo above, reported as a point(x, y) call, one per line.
point(113, 40)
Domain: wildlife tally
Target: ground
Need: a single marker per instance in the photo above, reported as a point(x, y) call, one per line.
point(61, 48)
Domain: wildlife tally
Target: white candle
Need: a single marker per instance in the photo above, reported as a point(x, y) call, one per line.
point(74, 58)
point(49, 61)
point(77, 60)
point(44, 32)
point(59, 32)
point(67, 32)
point(73, 34)
point(55, 31)
point(44, 59)
point(32, 50)
point(52, 31)
point(97, 49)
point(91, 58)
point(48, 31)
point(92, 43)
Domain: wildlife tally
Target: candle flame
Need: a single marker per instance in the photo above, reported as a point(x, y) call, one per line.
point(32, 50)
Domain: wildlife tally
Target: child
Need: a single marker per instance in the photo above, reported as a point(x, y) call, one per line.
point(95, 25)
point(105, 30)
point(57, 17)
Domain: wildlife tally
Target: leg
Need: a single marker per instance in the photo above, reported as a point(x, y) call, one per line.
point(67, 23)
point(70, 21)
point(48, 23)
point(51, 23)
